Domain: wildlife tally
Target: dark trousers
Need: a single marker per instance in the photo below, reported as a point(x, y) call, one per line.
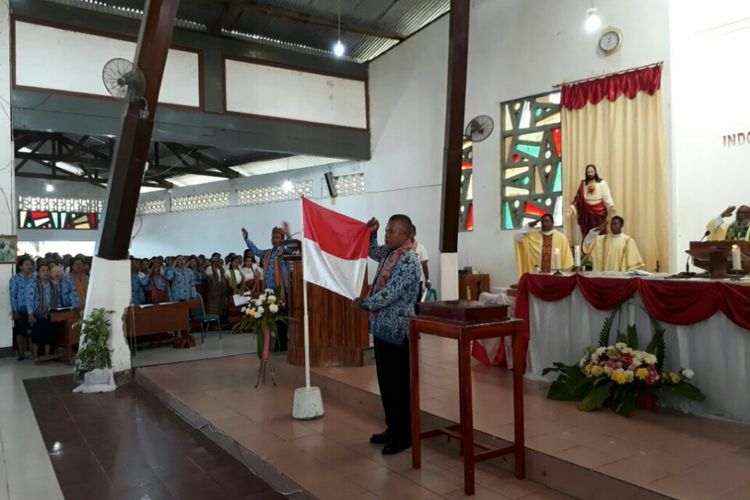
point(392, 364)
point(42, 333)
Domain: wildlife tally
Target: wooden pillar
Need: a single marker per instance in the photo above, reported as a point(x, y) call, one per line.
point(131, 150)
point(454, 123)
point(458, 47)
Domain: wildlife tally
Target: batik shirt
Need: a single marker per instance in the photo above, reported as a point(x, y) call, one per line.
point(68, 294)
point(182, 286)
point(18, 286)
point(160, 282)
point(198, 278)
point(39, 305)
point(137, 295)
point(391, 306)
point(270, 274)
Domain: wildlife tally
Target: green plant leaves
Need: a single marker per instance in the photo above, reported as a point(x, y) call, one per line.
point(596, 397)
point(606, 329)
point(93, 352)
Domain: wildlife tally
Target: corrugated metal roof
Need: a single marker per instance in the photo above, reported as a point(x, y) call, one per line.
point(377, 25)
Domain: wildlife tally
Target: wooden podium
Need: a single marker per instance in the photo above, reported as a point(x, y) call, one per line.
point(716, 256)
point(338, 332)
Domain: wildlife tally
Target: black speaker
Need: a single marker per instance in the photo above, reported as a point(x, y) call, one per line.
point(331, 185)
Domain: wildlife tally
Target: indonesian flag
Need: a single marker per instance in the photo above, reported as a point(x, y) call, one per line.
point(334, 249)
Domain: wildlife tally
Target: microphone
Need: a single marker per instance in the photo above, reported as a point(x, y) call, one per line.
point(687, 262)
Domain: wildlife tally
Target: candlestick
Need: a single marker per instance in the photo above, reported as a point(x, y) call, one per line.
point(736, 259)
point(556, 259)
point(631, 314)
point(577, 254)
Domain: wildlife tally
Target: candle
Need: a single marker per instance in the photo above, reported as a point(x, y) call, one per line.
point(556, 259)
point(631, 314)
point(736, 260)
point(577, 252)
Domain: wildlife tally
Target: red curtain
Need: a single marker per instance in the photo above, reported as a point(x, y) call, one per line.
point(674, 302)
point(576, 96)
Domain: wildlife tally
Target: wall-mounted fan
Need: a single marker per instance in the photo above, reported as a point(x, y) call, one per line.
point(479, 128)
point(124, 81)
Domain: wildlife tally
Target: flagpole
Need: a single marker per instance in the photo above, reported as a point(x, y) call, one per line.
point(307, 330)
point(308, 402)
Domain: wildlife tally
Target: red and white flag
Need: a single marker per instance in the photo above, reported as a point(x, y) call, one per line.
point(334, 249)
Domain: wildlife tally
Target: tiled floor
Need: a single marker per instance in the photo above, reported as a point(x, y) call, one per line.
point(677, 455)
point(213, 347)
point(25, 468)
point(22, 449)
point(126, 444)
point(330, 457)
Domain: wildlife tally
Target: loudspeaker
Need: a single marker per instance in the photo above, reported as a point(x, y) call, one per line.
point(331, 185)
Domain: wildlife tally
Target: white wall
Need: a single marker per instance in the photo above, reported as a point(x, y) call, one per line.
point(517, 48)
point(523, 48)
point(260, 89)
point(7, 225)
point(709, 53)
point(43, 61)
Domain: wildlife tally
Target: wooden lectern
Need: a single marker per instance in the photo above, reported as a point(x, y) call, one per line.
point(716, 256)
point(338, 332)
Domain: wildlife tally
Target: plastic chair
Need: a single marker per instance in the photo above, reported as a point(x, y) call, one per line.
point(199, 314)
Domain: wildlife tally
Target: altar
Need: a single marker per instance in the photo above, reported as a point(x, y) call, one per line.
point(707, 328)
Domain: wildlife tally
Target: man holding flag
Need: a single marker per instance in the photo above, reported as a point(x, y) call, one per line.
point(390, 302)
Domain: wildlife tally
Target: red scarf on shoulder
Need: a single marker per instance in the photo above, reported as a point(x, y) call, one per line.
point(386, 267)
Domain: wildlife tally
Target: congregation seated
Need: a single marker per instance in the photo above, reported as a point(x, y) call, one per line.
point(615, 251)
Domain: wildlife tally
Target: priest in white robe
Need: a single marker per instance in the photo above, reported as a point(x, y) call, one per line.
point(615, 251)
point(537, 248)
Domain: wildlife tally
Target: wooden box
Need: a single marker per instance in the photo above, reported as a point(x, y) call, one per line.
point(464, 310)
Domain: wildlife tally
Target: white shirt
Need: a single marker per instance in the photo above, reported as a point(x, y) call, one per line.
point(421, 252)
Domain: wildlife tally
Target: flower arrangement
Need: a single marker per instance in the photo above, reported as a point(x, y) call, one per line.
point(621, 374)
point(260, 317)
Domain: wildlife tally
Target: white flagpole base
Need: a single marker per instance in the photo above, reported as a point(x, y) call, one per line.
point(308, 404)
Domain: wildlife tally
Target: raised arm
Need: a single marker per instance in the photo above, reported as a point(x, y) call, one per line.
point(256, 251)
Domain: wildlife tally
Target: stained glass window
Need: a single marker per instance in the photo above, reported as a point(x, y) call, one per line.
point(47, 219)
point(466, 211)
point(530, 160)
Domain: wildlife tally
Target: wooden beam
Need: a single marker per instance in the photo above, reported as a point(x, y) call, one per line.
point(458, 45)
point(180, 149)
point(131, 150)
point(231, 13)
point(301, 17)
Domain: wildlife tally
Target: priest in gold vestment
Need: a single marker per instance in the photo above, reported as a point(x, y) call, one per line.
point(537, 248)
point(718, 230)
point(615, 251)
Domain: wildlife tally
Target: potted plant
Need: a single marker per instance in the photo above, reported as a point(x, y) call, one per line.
point(94, 357)
point(621, 375)
point(260, 317)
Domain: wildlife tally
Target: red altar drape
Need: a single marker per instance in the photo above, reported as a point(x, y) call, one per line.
point(674, 302)
point(576, 96)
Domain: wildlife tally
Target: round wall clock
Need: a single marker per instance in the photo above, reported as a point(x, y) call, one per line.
point(610, 40)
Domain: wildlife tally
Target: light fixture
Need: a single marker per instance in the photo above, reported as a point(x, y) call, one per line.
point(338, 48)
point(49, 188)
point(593, 21)
point(287, 186)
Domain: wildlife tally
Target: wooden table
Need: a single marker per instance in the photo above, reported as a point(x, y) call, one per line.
point(71, 334)
point(159, 318)
point(464, 333)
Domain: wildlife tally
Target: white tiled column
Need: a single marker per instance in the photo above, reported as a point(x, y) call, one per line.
point(7, 181)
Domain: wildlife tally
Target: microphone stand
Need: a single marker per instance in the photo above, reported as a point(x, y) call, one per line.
point(687, 273)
